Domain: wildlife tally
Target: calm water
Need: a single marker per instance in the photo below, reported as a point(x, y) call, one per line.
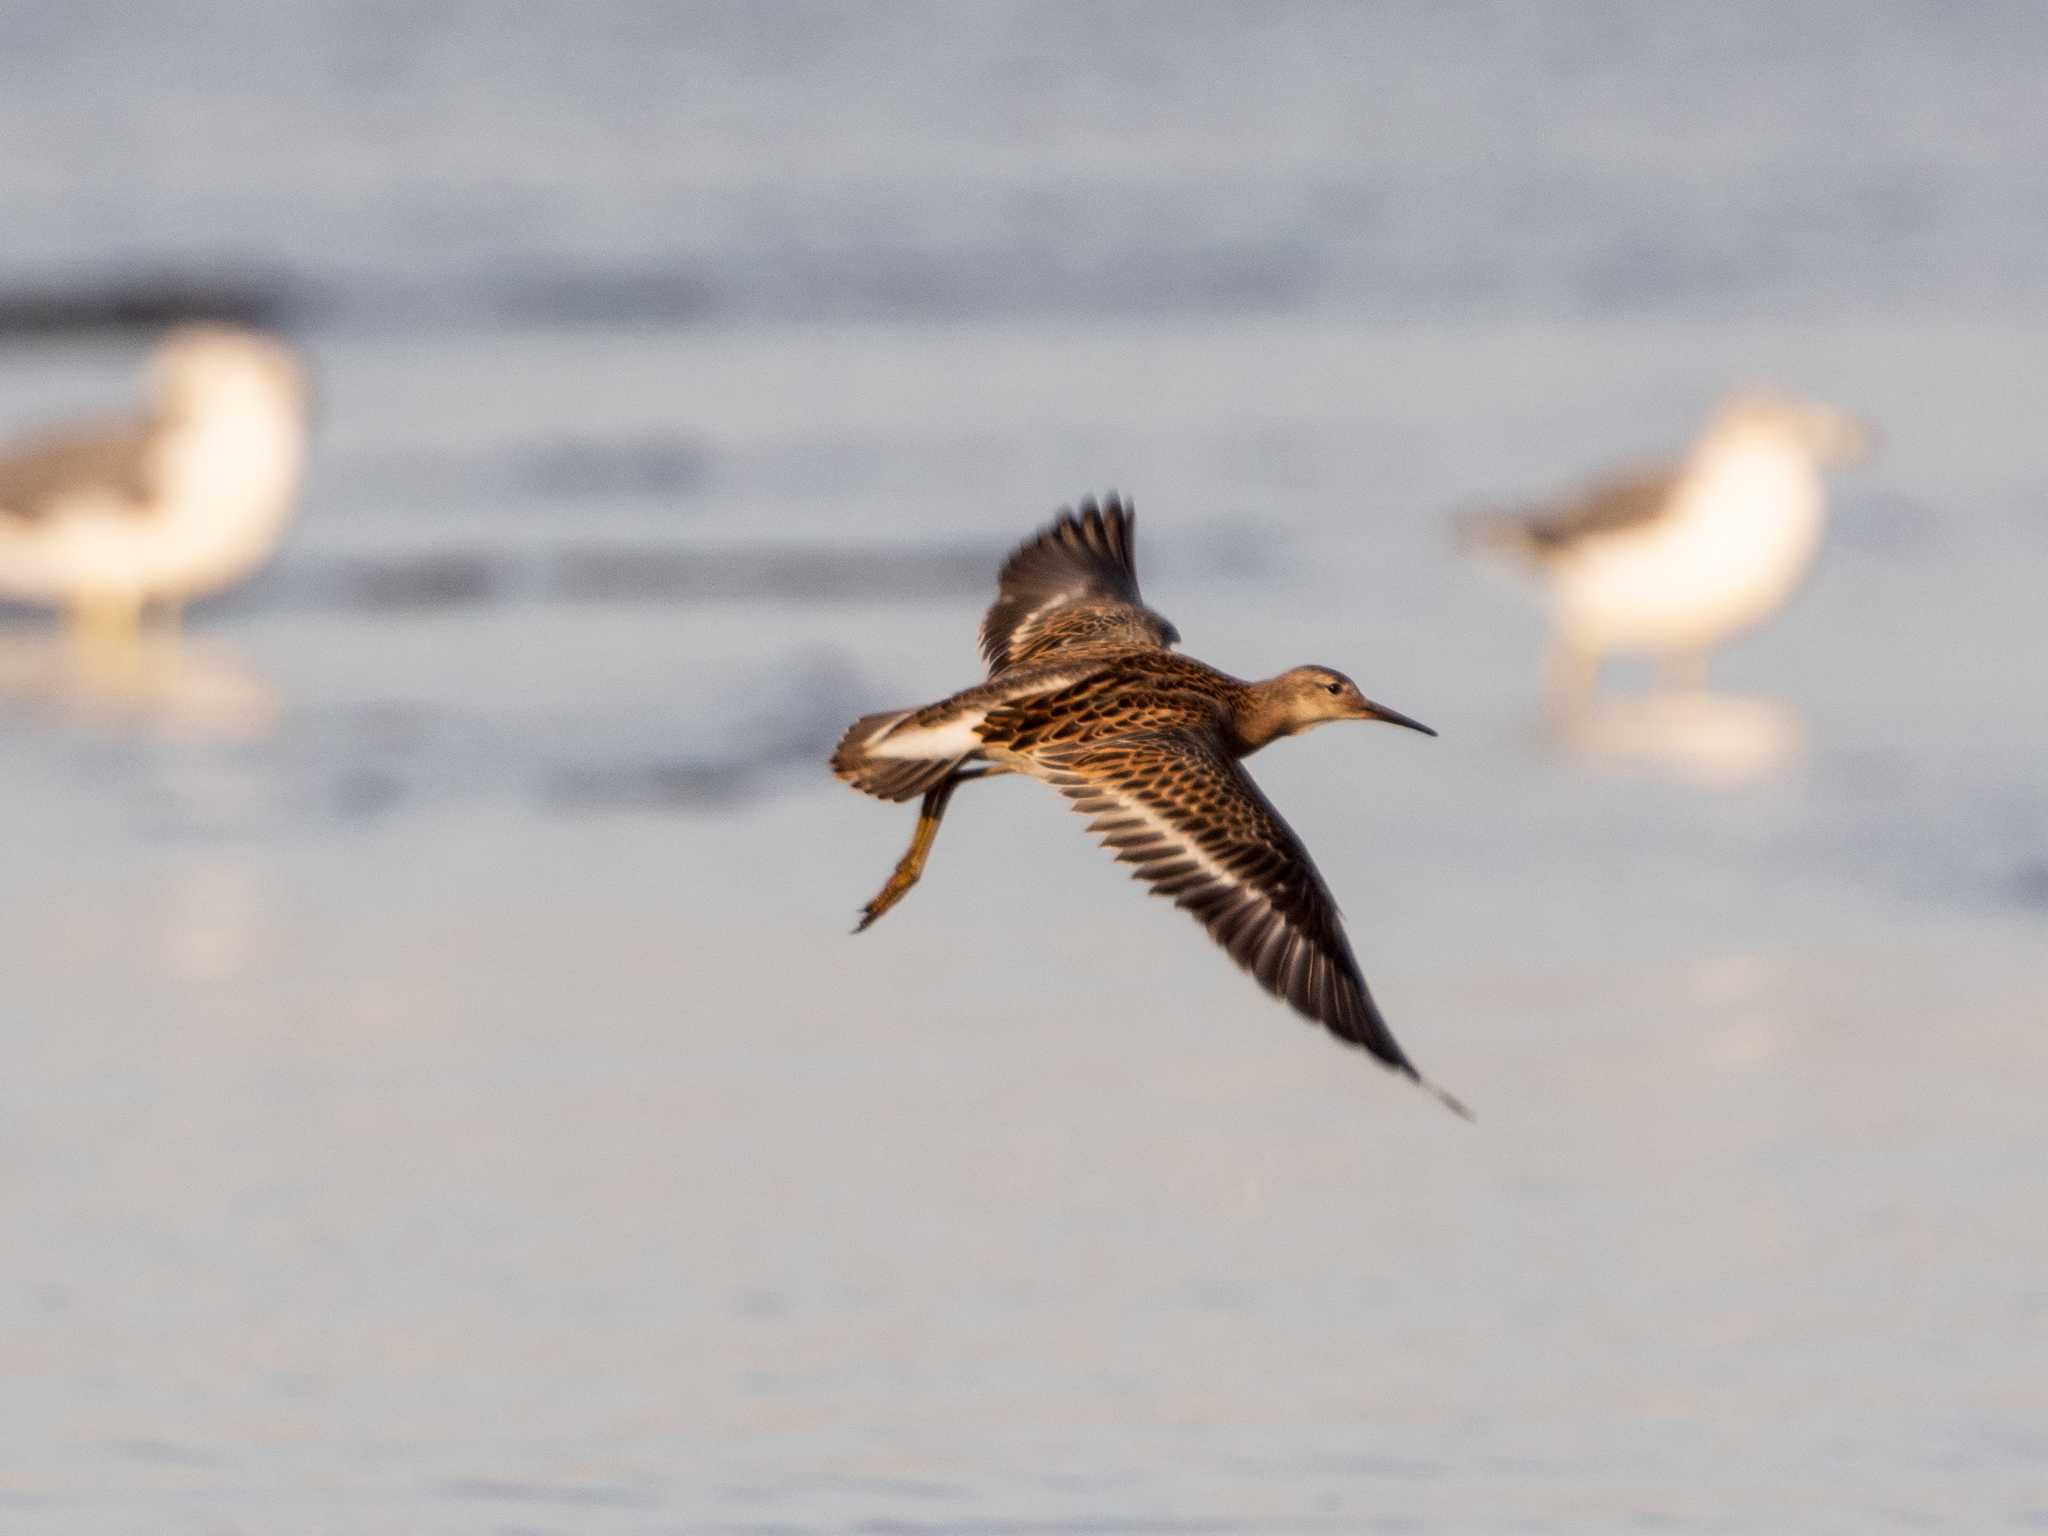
point(441, 1094)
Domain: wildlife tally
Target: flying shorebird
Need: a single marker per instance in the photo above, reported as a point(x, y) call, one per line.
point(1676, 559)
point(183, 500)
point(1086, 693)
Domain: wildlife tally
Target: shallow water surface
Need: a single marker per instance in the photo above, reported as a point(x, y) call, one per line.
point(441, 1092)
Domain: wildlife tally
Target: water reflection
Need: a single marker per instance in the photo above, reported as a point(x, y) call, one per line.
point(783, 724)
point(214, 919)
point(162, 680)
point(177, 738)
point(1719, 739)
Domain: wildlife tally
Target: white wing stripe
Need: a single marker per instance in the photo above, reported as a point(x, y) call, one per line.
point(1029, 626)
point(1143, 837)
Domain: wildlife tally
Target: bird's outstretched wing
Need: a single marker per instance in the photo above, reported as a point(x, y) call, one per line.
point(110, 461)
point(1073, 588)
point(1199, 831)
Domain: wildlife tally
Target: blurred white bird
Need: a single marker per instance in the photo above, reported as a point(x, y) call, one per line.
point(185, 499)
point(1675, 559)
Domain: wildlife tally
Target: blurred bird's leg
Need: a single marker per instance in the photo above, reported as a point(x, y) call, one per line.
point(105, 630)
point(911, 865)
point(1573, 673)
point(104, 618)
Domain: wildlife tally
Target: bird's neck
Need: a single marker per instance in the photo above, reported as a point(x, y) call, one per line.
point(1260, 713)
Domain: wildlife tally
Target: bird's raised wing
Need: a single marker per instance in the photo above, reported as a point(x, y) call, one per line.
point(1199, 831)
point(1073, 588)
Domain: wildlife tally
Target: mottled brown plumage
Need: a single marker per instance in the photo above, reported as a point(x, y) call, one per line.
point(1084, 694)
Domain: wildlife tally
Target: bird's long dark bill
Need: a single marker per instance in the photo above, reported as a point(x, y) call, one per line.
point(1394, 717)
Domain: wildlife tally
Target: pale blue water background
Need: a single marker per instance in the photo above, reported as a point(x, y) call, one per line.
point(439, 1091)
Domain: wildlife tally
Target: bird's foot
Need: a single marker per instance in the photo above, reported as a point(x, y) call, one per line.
point(897, 888)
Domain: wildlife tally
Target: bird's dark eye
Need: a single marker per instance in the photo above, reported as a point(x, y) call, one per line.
point(1333, 687)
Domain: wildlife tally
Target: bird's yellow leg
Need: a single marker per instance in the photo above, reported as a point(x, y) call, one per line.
point(105, 618)
point(105, 633)
point(911, 865)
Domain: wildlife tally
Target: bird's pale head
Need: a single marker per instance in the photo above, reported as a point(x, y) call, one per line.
point(1826, 433)
point(1306, 696)
point(201, 367)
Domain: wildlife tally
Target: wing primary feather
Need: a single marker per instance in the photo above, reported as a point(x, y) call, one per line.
point(1072, 588)
point(1176, 806)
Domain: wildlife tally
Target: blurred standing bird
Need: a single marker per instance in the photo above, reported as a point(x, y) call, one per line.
point(1673, 560)
point(1085, 693)
point(183, 500)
